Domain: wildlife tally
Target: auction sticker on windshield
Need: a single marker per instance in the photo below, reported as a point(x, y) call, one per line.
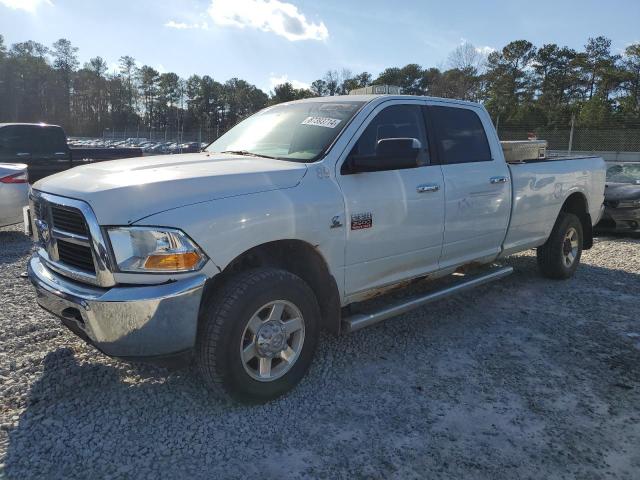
point(321, 122)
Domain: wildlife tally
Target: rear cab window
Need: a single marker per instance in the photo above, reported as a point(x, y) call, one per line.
point(459, 135)
point(51, 140)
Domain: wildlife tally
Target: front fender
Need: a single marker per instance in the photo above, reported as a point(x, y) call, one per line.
point(228, 227)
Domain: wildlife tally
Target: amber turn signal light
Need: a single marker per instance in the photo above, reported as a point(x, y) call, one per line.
point(173, 261)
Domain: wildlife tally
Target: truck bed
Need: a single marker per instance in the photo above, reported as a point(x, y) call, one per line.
point(539, 187)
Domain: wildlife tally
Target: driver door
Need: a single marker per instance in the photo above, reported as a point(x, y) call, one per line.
point(394, 218)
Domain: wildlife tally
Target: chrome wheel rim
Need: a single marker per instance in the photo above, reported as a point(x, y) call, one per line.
point(272, 340)
point(570, 247)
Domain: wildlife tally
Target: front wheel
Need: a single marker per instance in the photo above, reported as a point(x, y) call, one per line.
point(258, 335)
point(560, 255)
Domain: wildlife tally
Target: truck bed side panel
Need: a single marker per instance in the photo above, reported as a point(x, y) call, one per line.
point(539, 190)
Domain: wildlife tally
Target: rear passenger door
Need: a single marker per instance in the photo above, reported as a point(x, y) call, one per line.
point(476, 184)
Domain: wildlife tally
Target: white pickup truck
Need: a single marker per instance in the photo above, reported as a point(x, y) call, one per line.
point(287, 224)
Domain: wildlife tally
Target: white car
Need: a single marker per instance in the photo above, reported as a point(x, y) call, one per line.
point(14, 192)
point(239, 255)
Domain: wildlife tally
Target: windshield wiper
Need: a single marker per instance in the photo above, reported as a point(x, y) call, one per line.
point(246, 153)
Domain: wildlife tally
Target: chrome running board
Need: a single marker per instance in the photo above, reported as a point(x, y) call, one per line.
point(362, 320)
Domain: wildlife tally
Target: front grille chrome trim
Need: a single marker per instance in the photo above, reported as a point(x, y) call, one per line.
point(95, 239)
point(71, 237)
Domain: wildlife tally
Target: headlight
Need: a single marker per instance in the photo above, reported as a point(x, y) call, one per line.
point(149, 249)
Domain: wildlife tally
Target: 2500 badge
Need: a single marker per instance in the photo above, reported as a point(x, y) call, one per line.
point(360, 221)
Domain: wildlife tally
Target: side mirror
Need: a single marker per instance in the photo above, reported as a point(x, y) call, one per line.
point(391, 154)
point(398, 147)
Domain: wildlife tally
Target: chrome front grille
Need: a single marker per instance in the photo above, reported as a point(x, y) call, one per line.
point(69, 220)
point(77, 256)
point(70, 239)
point(70, 235)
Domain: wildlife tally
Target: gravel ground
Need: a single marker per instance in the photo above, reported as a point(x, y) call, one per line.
point(523, 378)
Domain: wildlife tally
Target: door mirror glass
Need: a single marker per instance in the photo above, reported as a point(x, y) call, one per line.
point(398, 147)
point(390, 154)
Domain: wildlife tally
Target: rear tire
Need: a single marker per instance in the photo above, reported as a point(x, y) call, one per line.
point(560, 256)
point(257, 335)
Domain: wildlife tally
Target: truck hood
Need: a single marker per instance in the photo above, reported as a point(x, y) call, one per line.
point(124, 191)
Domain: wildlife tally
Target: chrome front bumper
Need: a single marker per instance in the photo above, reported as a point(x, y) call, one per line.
point(132, 322)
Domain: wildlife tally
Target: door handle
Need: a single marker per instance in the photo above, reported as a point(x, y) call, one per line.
point(429, 187)
point(22, 154)
point(495, 180)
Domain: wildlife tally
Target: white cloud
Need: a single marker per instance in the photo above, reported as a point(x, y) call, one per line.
point(185, 26)
point(27, 5)
point(486, 50)
point(281, 18)
point(275, 80)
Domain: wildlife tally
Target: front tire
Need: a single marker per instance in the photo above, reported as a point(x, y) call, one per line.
point(257, 335)
point(560, 256)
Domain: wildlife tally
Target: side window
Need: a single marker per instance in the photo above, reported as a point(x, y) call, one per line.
point(50, 140)
point(460, 136)
point(15, 139)
point(395, 121)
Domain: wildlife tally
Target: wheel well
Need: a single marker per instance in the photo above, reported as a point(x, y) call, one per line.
point(576, 203)
point(301, 259)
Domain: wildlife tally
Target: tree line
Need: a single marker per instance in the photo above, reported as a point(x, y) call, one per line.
point(521, 84)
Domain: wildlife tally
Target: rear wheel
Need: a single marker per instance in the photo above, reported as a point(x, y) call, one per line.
point(258, 335)
point(560, 256)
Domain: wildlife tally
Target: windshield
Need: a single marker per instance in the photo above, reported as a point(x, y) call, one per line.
point(624, 173)
point(292, 131)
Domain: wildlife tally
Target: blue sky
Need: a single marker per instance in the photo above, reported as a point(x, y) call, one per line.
point(267, 41)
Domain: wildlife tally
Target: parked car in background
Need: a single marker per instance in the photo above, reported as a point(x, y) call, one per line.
point(189, 147)
point(45, 150)
point(621, 199)
point(14, 192)
point(149, 147)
